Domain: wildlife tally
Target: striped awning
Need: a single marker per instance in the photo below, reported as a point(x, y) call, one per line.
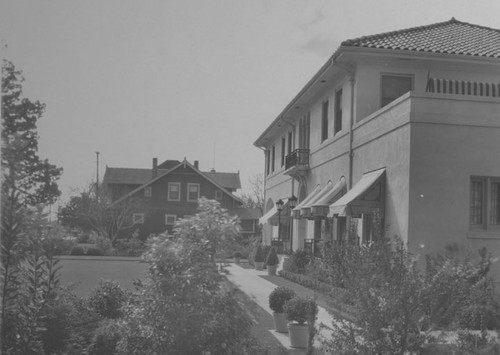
point(313, 194)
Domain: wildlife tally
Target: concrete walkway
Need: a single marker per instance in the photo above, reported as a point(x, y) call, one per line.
point(258, 289)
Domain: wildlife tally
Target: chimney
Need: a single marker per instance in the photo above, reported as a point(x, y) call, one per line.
point(155, 167)
point(196, 164)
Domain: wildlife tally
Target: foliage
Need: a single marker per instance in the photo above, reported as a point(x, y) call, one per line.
point(102, 215)
point(297, 262)
point(237, 255)
point(107, 299)
point(474, 343)
point(94, 251)
point(278, 297)
point(78, 251)
point(105, 339)
point(212, 226)
point(181, 308)
point(255, 199)
point(27, 274)
point(272, 258)
point(300, 309)
point(259, 254)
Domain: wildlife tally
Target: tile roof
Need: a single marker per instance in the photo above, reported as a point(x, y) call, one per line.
point(451, 37)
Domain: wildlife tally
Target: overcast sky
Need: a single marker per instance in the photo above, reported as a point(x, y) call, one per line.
point(170, 79)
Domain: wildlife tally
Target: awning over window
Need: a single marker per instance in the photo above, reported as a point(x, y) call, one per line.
point(305, 210)
point(313, 194)
point(273, 216)
point(365, 197)
point(321, 205)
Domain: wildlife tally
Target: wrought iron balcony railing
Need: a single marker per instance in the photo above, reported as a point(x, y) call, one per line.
point(299, 157)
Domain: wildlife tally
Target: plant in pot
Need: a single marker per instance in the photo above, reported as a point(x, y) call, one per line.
point(259, 258)
point(272, 262)
point(277, 299)
point(298, 311)
point(237, 257)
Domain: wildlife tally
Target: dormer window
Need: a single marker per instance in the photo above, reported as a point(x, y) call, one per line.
point(394, 86)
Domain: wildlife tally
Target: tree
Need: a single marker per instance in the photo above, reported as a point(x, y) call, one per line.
point(182, 308)
point(27, 181)
point(212, 226)
point(103, 216)
point(255, 199)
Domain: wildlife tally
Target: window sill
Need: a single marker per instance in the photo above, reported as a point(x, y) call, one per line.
point(484, 234)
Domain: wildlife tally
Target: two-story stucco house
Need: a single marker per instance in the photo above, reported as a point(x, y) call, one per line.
point(403, 125)
point(171, 190)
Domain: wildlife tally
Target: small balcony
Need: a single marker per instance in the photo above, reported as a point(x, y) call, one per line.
point(297, 162)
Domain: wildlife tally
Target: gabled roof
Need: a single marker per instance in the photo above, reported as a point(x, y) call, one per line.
point(451, 37)
point(184, 163)
point(129, 175)
point(228, 180)
point(134, 176)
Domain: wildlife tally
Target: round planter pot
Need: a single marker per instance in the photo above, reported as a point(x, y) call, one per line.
point(259, 265)
point(271, 269)
point(280, 323)
point(299, 335)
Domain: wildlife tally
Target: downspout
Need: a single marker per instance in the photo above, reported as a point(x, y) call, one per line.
point(351, 135)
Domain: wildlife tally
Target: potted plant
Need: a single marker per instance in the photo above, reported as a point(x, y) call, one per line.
point(237, 257)
point(277, 299)
point(298, 311)
point(272, 262)
point(259, 258)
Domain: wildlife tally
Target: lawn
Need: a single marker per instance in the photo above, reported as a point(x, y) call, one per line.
point(85, 272)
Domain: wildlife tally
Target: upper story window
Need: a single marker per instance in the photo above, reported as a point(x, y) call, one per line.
point(174, 191)
point(283, 148)
point(393, 86)
point(324, 121)
point(268, 166)
point(485, 202)
point(337, 126)
point(218, 195)
point(193, 192)
point(290, 138)
point(273, 157)
point(138, 218)
point(148, 191)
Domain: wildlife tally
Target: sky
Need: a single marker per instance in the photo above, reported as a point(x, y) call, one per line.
point(200, 79)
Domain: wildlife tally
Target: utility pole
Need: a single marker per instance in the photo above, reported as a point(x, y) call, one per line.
point(97, 179)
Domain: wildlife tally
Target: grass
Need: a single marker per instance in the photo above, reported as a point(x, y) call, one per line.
point(85, 273)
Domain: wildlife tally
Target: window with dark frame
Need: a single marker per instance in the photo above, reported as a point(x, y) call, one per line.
point(283, 148)
point(193, 192)
point(337, 126)
point(485, 203)
point(268, 162)
point(218, 195)
point(290, 137)
point(324, 121)
point(170, 219)
point(174, 191)
point(394, 86)
point(273, 157)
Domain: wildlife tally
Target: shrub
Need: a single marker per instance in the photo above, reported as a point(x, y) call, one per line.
point(107, 299)
point(78, 250)
point(105, 339)
point(265, 252)
point(259, 254)
point(278, 297)
point(95, 251)
point(297, 262)
point(272, 258)
point(237, 255)
point(300, 309)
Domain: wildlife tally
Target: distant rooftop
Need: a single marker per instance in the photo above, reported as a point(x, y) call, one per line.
point(451, 37)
